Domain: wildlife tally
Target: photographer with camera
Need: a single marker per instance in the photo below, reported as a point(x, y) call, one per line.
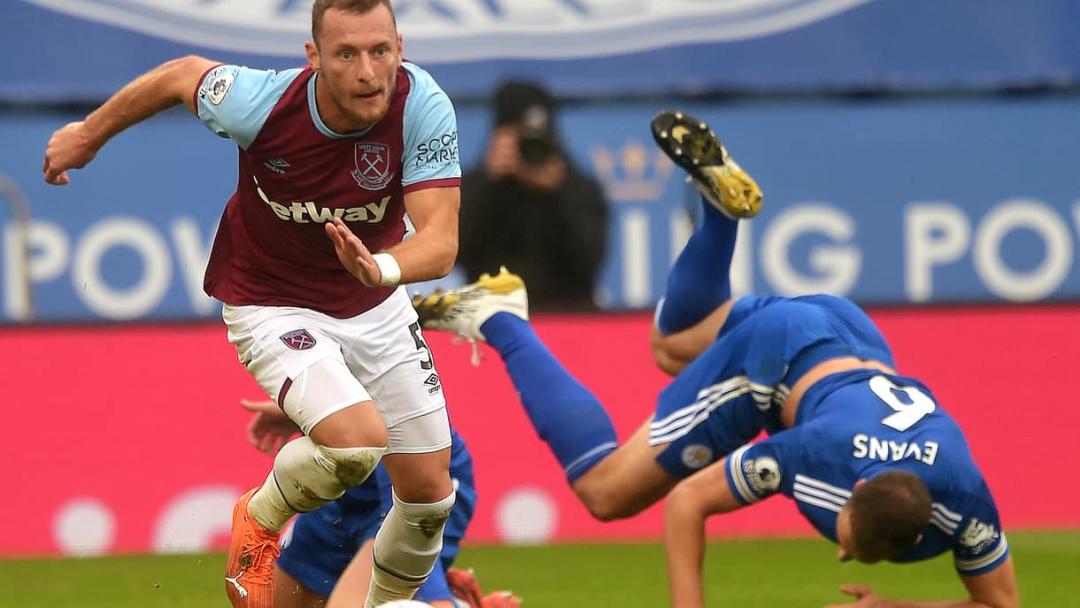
point(529, 208)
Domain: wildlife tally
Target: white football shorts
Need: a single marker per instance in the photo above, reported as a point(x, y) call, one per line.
point(381, 355)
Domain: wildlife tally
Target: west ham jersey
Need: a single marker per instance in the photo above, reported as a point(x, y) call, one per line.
point(295, 175)
point(858, 424)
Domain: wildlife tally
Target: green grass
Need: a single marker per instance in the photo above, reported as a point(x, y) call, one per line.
point(766, 573)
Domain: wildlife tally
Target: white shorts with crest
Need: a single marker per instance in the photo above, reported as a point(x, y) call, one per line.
point(381, 355)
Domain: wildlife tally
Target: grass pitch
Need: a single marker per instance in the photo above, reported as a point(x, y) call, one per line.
point(765, 573)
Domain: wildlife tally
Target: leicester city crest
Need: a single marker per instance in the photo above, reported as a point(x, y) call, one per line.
point(372, 166)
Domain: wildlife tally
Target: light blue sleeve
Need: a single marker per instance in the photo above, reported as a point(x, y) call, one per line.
point(234, 101)
point(431, 137)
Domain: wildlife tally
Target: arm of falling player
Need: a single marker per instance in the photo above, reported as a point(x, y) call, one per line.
point(163, 87)
point(687, 507)
point(269, 428)
point(993, 589)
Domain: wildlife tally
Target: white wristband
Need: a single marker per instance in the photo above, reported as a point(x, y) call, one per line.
point(388, 266)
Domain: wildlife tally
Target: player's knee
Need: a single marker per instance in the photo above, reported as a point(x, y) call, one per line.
point(608, 511)
point(310, 475)
point(604, 503)
point(422, 484)
point(351, 466)
point(359, 425)
point(353, 432)
point(666, 363)
point(664, 355)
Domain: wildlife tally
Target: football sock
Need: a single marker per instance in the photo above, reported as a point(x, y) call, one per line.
point(564, 413)
point(406, 548)
point(700, 280)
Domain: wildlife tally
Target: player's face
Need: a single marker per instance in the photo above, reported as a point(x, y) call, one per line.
point(357, 58)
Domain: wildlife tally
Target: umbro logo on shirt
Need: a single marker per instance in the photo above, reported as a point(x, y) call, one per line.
point(277, 165)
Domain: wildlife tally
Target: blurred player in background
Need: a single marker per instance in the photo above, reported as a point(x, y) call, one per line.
point(326, 560)
point(871, 460)
point(309, 259)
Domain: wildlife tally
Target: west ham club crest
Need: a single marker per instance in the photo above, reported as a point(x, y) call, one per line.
point(372, 166)
point(298, 339)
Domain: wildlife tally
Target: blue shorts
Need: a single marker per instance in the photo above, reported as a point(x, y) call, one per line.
point(736, 388)
point(324, 541)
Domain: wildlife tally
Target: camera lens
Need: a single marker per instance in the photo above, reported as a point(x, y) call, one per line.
point(534, 149)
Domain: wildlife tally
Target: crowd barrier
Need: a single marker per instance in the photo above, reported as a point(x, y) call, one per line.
point(131, 438)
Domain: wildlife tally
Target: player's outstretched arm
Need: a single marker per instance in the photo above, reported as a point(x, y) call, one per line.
point(163, 87)
point(687, 507)
point(994, 589)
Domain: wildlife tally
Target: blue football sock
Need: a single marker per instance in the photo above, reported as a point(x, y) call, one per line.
point(564, 413)
point(700, 280)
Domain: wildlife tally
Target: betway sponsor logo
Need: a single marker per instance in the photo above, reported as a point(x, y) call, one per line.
point(309, 212)
point(443, 31)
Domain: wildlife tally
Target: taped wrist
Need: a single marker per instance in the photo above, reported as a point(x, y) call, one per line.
point(389, 268)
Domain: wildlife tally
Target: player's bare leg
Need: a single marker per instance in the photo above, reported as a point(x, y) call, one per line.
point(626, 481)
point(612, 483)
point(339, 452)
point(352, 586)
point(673, 352)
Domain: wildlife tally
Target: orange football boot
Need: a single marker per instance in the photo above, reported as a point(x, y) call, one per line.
point(249, 573)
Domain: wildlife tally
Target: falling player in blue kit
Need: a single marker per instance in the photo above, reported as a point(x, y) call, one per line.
point(871, 459)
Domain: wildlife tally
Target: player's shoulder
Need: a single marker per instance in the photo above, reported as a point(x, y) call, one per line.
point(243, 84)
point(421, 83)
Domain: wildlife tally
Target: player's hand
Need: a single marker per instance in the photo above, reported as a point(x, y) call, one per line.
point(501, 599)
point(353, 254)
point(69, 148)
point(865, 598)
point(269, 428)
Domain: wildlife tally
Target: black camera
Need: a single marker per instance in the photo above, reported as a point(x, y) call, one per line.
point(535, 147)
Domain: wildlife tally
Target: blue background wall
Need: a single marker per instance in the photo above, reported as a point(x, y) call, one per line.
point(962, 195)
point(889, 201)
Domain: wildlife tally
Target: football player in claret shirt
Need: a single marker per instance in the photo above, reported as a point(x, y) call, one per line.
point(871, 459)
point(309, 261)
